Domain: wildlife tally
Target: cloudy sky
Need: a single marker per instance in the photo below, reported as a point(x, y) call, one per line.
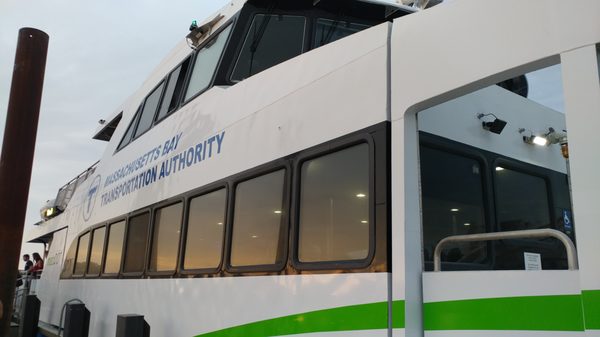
point(99, 53)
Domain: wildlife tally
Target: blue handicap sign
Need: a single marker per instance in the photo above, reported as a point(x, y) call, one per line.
point(568, 224)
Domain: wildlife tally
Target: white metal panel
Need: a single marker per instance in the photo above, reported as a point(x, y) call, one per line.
point(188, 307)
point(450, 286)
point(512, 333)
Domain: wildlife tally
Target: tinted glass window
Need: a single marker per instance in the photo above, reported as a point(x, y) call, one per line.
point(96, 252)
point(206, 64)
point(204, 242)
point(114, 248)
point(272, 39)
point(165, 238)
point(149, 110)
point(69, 262)
point(129, 133)
point(328, 30)
point(521, 200)
point(453, 204)
point(173, 90)
point(82, 254)
point(334, 206)
point(137, 238)
point(258, 220)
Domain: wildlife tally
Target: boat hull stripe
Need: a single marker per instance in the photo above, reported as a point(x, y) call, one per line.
point(591, 309)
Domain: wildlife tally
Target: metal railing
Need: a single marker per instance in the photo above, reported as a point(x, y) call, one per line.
point(524, 234)
point(28, 287)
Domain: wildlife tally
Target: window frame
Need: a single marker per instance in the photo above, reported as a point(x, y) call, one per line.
point(150, 242)
point(530, 170)
point(109, 224)
point(284, 223)
point(87, 231)
point(167, 81)
point(488, 192)
point(136, 274)
point(306, 38)
point(103, 253)
point(143, 105)
point(321, 151)
point(186, 217)
point(230, 23)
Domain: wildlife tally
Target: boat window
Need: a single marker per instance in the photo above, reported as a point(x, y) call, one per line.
point(206, 223)
point(521, 200)
point(165, 238)
point(129, 133)
point(82, 254)
point(334, 207)
point(205, 64)
point(114, 248)
point(271, 39)
point(68, 264)
point(328, 31)
point(149, 110)
point(258, 220)
point(453, 204)
point(173, 90)
point(137, 238)
point(96, 251)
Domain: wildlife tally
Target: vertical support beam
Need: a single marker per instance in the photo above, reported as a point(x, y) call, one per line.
point(17, 157)
point(582, 105)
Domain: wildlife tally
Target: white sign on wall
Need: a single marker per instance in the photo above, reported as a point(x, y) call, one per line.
point(533, 261)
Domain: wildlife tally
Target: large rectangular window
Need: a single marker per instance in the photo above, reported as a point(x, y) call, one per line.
point(334, 222)
point(453, 204)
point(205, 64)
point(271, 39)
point(69, 262)
point(114, 248)
point(165, 238)
point(206, 223)
point(82, 254)
point(96, 252)
point(137, 239)
point(258, 221)
point(328, 31)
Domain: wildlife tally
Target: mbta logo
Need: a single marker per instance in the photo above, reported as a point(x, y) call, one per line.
point(90, 198)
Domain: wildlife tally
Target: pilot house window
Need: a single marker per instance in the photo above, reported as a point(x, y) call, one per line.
point(271, 39)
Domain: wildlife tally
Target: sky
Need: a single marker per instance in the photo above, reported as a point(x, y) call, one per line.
point(99, 53)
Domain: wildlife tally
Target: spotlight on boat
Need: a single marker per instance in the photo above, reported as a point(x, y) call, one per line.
point(547, 139)
point(496, 126)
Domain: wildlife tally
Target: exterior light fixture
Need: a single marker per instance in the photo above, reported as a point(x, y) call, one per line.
point(277, 212)
point(454, 210)
point(361, 195)
point(547, 139)
point(499, 168)
point(496, 126)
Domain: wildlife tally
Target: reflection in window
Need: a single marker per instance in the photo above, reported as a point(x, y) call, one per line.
point(258, 220)
point(328, 31)
point(272, 39)
point(114, 248)
point(334, 206)
point(453, 204)
point(205, 229)
point(521, 200)
point(68, 264)
point(82, 254)
point(165, 238)
point(173, 90)
point(96, 252)
point(129, 133)
point(149, 111)
point(206, 64)
point(137, 237)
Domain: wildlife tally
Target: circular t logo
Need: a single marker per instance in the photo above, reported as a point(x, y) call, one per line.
point(90, 198)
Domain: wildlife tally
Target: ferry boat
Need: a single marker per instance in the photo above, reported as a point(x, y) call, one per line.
point(345, 168)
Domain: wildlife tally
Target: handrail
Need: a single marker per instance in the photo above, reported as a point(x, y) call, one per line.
point(524, 234)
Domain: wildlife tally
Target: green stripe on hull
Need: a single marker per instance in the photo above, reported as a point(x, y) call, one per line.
point(591, 309)
point(540, 313)
point(356, 317)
